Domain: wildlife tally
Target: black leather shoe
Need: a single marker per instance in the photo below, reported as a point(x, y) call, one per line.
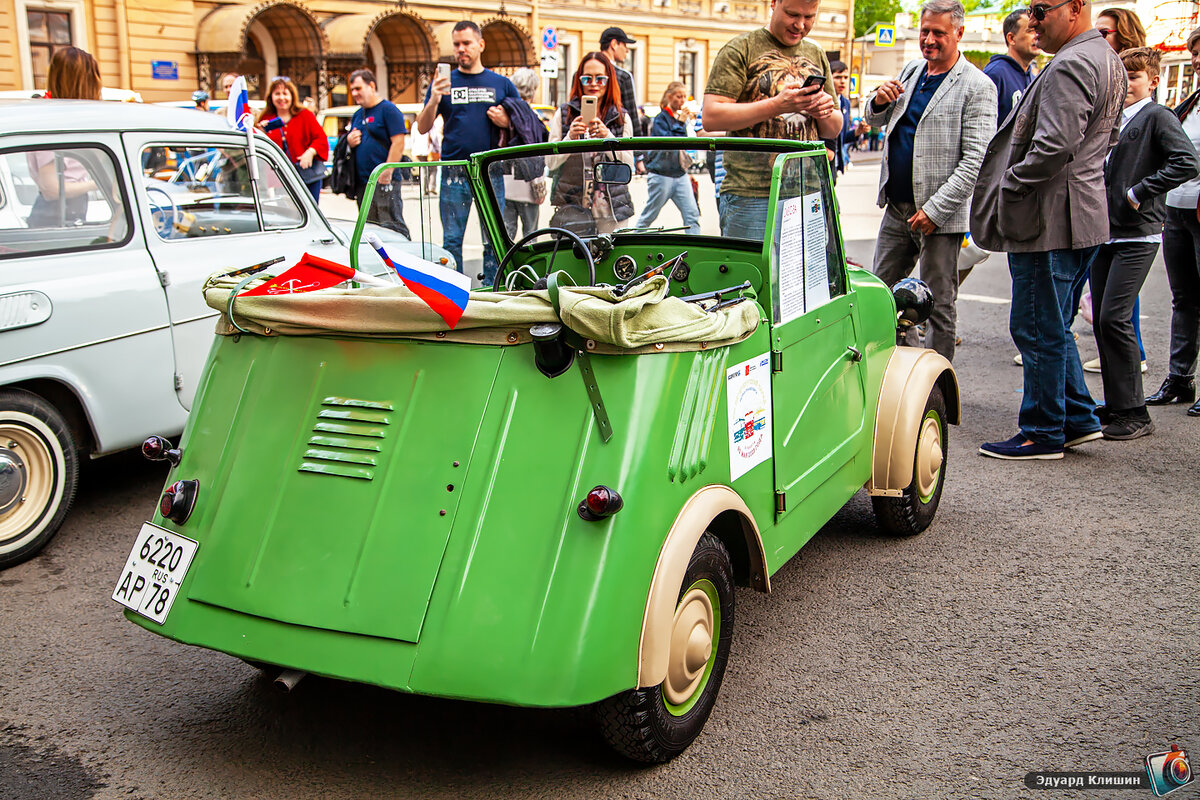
point(1174, 390)
point(1103, 414)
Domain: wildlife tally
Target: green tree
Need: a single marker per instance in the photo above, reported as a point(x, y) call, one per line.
point(868, 12)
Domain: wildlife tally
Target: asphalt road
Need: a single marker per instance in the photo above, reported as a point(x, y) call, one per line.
point(1047, 621)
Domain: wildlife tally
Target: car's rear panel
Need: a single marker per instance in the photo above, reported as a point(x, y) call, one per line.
point(404, 513)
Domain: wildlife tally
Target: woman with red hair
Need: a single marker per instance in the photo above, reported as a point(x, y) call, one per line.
point(581, 205)
point(294, 128)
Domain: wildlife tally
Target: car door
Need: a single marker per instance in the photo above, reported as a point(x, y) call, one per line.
point(81, 305)
point(204, 211)
point(818, 386)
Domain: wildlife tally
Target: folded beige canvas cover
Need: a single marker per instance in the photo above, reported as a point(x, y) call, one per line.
point(644, 319)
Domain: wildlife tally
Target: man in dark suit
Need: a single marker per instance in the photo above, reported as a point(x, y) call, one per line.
point(1040, 198)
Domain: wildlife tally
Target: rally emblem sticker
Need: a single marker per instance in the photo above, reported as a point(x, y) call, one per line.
point(748, 400)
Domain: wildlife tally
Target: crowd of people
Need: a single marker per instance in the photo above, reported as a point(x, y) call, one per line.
point(1079, 176)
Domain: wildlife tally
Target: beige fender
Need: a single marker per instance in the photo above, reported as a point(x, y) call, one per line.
point(693, 520)
point(911, 373)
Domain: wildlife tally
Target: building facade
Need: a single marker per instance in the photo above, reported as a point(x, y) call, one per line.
point(166, 49)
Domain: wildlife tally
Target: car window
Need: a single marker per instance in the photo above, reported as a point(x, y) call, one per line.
point(806, 255)
point(61, 199)
point(195, 191)
point(279, 208)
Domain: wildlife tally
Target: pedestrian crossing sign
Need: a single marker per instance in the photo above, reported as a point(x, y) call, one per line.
point(885, 36)
point(853, 84)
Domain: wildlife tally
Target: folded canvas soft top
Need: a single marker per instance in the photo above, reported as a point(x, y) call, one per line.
point(645, 319)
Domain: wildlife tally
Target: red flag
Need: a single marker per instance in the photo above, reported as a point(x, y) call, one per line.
point(306, 275)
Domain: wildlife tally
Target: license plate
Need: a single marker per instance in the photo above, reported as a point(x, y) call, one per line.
point(154, 572)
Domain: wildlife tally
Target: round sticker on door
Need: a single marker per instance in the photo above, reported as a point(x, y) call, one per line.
point(748, 398)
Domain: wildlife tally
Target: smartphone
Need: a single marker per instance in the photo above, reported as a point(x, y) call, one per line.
point(587, 105)
point(814, 80)
point(443, 71)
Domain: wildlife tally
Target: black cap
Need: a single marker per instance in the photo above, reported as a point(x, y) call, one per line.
point(617, 34)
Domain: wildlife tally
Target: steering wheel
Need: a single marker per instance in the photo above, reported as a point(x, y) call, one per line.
point(498, 282)
point(162, 224)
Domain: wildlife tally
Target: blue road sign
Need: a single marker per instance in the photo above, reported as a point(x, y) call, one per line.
point(164, 70)
point(885, 36)
point(549, 38)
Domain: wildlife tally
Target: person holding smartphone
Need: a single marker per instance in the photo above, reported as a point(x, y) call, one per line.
point(593, 112)
point(469, 99)
point(940, 115)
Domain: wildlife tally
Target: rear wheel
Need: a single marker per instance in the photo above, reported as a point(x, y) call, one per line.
point(657, 723)
point(913, 511)
point(39, 469)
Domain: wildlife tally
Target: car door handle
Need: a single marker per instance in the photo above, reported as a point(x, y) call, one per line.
point(855, 353)
point(327, 241)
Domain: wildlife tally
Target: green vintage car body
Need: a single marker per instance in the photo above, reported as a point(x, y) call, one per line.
point(404, 512)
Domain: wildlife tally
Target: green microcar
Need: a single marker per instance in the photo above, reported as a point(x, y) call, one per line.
point(551, 502)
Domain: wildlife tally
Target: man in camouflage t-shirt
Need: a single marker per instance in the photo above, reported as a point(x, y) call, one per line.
point(755, 88)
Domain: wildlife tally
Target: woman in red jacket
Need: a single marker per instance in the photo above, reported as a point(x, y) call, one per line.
point(294, 128)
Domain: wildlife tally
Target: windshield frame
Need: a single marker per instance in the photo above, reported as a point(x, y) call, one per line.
point(481, 162)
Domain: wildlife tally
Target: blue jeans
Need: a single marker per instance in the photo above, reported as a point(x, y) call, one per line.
point(1046, 287)
point(743, 217)
point(454, 204)
point(679, 191)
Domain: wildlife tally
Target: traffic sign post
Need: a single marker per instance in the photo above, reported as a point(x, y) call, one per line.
point(549, 62)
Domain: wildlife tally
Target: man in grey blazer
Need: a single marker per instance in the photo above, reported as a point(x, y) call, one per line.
point(1041, 199)
point(940, 114)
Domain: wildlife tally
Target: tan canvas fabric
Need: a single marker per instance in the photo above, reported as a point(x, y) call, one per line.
point(645, 318)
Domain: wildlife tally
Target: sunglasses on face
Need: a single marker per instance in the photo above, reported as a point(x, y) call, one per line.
point(1106, 32)
point(1039, 12)
point(599, 80)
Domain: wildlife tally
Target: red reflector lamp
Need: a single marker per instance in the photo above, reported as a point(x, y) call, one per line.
point(600, 502)
point(179, 500)
point(157, 448)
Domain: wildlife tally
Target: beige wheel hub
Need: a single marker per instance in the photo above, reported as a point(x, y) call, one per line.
point(929, 456)
point(691, 646)
point(28, 468)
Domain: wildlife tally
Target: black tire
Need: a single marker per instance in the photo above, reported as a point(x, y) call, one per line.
point(913, 512)
point(39, 471)
point(640, 723)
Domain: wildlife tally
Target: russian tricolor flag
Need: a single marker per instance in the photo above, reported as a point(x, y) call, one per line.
point(444, 290)
point(237, 108)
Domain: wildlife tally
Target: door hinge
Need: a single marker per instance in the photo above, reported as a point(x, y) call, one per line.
point(776, 361)
point(780, 502)
point(164, 279)
point(178, 382)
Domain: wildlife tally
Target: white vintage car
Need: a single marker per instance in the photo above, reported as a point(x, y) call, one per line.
point(111, 218)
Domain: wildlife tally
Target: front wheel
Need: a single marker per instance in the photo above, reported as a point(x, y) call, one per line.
point(913, 511)
point(39, 469)
point(657, 723)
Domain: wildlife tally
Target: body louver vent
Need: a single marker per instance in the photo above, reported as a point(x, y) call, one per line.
point(347, 438)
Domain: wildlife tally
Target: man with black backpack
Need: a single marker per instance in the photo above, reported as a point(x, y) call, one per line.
point(376, 136)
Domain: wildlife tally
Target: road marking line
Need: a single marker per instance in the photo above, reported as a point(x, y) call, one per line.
point(983, 298)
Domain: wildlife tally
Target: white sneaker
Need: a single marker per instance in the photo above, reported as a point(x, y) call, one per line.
point(1093, 365)
point(1017, 360)
point(1144, 365)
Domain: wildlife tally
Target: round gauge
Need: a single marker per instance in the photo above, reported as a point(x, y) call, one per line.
point(624, 268)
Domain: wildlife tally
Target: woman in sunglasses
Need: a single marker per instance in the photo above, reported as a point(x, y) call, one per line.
point(294, 128)
point(1121, 28)
point(581, 205)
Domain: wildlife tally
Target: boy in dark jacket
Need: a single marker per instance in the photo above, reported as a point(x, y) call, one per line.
point(1152, 156)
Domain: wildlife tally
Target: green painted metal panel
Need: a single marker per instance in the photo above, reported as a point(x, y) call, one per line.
point(310, 530)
